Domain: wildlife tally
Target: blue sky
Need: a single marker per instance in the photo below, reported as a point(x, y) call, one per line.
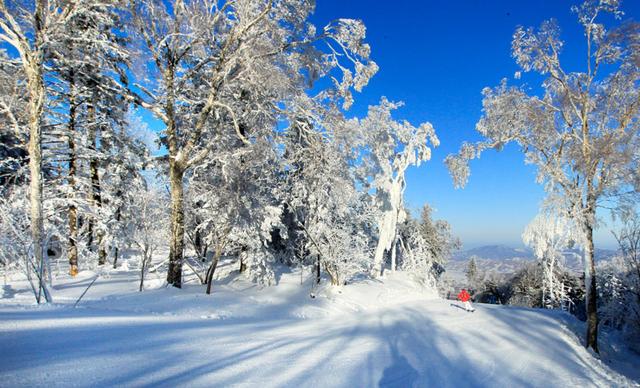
point(436, 56)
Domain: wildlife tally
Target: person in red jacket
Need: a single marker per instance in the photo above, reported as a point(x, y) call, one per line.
point(464, 297)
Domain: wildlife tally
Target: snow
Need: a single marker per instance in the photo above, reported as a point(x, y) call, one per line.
point(384, 332)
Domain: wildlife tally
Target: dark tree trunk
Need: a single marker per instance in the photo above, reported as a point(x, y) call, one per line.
point(174, 274)
point(118, 218)
point(197, 244)
point(318, 269)
point(212, 270)
point(96, 195)
point(143, 270)
point(591, 292)
point(73, 212)
point(115, 257)
point(243, 264)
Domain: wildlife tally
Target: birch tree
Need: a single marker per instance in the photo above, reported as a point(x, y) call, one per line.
point(24, 25)
point(150, 227)
point(13, 123)
point(87, 53)
point(329, 209)
point(549, 235)
point(206, 52)
point(394, 146)
point(581, 133)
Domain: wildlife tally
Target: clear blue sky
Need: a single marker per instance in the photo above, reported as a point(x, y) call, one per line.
point(436, 56)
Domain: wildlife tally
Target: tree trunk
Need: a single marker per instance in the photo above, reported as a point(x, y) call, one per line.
point(73, 212)
point(318, 270)
point(143, 269)
point(212, 269)
point(198, 245)
point(591, 292)
point(393, 256)
point(243, 264)
point(333, 274)
point(388, 227)
point(37, 95)
point(96, 195)
point(176, 175)
point(115, 251)
point(174, 274)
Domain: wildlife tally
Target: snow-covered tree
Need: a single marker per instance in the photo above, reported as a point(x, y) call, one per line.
point(472, 272)
point(88, 108)
point(416, 253)
point(619, 283)
point(13, 122)
point(582, 132)
point(549, 235)
point(438, 235)
point(330, 212)
point(16, 252)
point(125, 162)
point(237, 204)
point(393, 146)
point(151, 229)
point(212, 60)
point(628, 238)
point(25, 26)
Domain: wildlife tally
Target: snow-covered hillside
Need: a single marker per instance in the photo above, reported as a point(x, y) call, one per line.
point(371, 333)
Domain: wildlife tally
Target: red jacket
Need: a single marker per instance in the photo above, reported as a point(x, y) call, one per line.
point(464, 296)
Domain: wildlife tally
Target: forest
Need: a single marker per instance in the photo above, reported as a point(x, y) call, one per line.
point(184, 134)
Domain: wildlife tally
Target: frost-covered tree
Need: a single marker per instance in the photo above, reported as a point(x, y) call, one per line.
point(438, 235)
point(549, 235)
point(472, 272)
point(126, 162)
point(628, 238)
point(212, 59)
point(393, 146)
point(237, 204)
point(31, 28)
point(25, 25)
point(417, 255)
point(16, 252)
point(581, 133)
point(68, 51)
point(619, 283)
point(330, 212)
point(13, 122)
point(88, 106)
point(150, 229)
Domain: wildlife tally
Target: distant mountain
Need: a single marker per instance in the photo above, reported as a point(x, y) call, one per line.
point(494, 252)
point(504, 259)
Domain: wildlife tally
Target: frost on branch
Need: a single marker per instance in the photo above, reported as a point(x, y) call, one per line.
point(395, 145)
point(549, 235)
point(581, 132)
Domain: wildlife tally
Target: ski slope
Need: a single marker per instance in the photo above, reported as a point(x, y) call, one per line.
point(387, 333)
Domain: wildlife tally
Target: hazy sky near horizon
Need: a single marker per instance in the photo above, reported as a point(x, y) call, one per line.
point(437, 56)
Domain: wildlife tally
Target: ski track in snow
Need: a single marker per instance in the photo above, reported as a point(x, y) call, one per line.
point(367, 334)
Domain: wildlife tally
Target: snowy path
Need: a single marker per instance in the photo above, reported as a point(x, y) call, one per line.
point(280, 337)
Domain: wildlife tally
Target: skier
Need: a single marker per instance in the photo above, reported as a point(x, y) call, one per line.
point(464, 297)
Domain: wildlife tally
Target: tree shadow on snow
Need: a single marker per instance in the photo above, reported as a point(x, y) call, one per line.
point(401, 346)
point(8, 292)
point(400, 373)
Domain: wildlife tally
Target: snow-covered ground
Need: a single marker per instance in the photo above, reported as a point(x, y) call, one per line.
point(372, 333)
